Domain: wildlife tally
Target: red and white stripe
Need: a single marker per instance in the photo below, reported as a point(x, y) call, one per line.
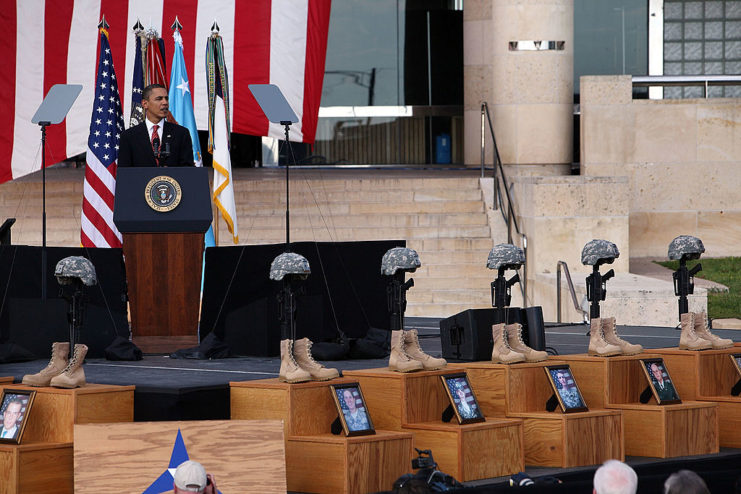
point(49, 42)
point(98, 229)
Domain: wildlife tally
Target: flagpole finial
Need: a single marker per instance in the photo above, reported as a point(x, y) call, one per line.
point(138, 27)
point(176, 24)
point(215, 28)
point(103, 24)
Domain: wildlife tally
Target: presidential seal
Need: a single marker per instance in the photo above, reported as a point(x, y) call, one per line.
point(163, 193)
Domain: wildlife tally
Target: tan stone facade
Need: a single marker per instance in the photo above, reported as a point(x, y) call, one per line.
point(681, 159)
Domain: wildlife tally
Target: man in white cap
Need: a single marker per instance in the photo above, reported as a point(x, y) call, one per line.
point(190, 476)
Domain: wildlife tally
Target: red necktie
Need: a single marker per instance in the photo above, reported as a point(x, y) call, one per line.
point(155, 144)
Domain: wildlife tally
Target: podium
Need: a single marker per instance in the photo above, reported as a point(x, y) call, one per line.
point(163, 214)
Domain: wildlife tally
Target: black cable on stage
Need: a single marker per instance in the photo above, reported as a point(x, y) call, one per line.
point(10, 275)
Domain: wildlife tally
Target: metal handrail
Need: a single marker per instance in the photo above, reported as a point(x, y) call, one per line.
point(559, 265)
point(509, 217)
point(686, 80)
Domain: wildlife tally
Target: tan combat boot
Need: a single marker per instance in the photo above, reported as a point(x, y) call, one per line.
point(514, 338)
point(702, 330)
point(302, 354)
point(290, 372)
point(612, 337)
point(597, 343)
point(502, 353)
point(73, 376)
point(399, 360)
point(57, 364)
point(411, 345)
point(688, 339)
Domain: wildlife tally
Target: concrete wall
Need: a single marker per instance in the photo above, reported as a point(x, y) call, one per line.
point(682, 160)
point(530, 93)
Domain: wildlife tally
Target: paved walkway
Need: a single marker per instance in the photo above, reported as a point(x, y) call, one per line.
point(646, 266)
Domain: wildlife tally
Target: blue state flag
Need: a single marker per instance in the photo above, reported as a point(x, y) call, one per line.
point(181, 107)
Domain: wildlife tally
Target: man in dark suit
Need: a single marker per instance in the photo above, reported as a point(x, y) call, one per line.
point(155, 142)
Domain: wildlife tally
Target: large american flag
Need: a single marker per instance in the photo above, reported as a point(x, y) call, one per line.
point(47, 42)
point(106, 126)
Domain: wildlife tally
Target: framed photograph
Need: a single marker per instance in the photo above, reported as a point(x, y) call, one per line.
point(351, 409)
point(462, 399)
point(565, 388)
point(659, 381)
point(14, 410)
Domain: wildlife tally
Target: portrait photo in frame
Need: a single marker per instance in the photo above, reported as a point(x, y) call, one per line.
point(661, 384)
point(565, 389)
point(462, 399)
point(15, 408)
point(351, 409)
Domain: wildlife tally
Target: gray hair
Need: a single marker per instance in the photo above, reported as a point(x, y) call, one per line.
point(615, 477)
point(685, 482)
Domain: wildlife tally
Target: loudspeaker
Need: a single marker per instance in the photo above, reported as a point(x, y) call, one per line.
point(467, 335)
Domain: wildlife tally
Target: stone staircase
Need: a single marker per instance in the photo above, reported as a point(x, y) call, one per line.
point(442, 215)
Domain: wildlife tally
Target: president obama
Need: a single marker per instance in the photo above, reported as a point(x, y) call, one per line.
point(155, 142)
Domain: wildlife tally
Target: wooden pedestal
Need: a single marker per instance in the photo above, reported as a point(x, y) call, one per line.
point(163, 271)
point(689, 428)
point(414, 402)
point(6, 380)
point(606, 381)
point(329, 463)
point(43, 462)
point(55, 411)
point(316, 460)
point(708, 375)
point(551, 438)
point(36, 467)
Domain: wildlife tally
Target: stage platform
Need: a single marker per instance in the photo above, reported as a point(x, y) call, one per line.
point(177, 389)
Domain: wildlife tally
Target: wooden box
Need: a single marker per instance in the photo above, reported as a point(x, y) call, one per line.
point(55, 411)
point(708, 375)
point(689, 428)
point(339, 464)
point(36, 467)
point(473, 451)
point(698, 375)
point(607, 381)
point(316, 460)
point(6, 380)
point(551, 438)
point(415, 401)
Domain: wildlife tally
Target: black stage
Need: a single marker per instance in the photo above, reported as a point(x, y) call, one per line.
point(176, 389)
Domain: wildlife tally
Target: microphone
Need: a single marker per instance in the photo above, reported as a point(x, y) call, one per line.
point(156, 146)
point(165, 153)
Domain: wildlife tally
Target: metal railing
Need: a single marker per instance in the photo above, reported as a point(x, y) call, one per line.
point(559, 265)
point(509, 215)
point(686, 80)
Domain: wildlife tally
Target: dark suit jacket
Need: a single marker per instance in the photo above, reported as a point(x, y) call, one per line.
point(135, 148)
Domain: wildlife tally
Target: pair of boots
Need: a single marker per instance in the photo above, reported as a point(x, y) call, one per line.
point(509, 348)
point(696, 334)
point(604, 340)
point(297, 365)
point(407, 355)
point(61, 372)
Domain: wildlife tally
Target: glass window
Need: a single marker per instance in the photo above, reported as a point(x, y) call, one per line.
point(612, 38)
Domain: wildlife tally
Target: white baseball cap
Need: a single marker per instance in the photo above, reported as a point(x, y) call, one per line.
point(190, 476)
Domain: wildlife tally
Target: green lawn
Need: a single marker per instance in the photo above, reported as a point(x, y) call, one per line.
point(727, 271)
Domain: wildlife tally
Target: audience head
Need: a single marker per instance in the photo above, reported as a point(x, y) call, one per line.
point(615, 477)
point(190, 476)
point(685, 482)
